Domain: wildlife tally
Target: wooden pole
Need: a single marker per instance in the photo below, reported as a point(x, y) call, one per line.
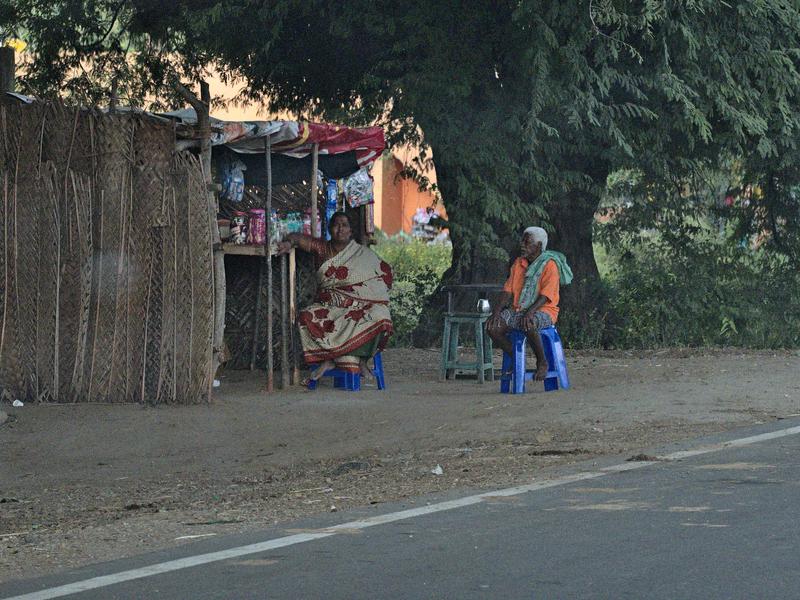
point(114, 94)
point(201, 108)
point(218, 340)
point(7, 69)
point(268, 212)
point(314, 211)
point(293, 315)
point(284, 324)
point(257, 316)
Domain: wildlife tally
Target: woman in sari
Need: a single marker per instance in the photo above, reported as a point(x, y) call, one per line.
point(349, 322)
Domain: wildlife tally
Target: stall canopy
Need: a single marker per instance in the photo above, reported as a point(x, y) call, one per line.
point(342, 150)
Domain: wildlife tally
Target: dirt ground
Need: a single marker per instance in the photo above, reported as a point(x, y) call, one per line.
point(85, 483)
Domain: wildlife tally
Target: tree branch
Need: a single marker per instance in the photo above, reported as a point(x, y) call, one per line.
point(196, 103)
point(636, 54)
point(99, 43)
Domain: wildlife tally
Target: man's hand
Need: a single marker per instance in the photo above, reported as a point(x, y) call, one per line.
point(495, 321)
point(284, 247)
point(529, 322)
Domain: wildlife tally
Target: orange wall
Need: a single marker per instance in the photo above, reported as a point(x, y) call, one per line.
point(397, 199)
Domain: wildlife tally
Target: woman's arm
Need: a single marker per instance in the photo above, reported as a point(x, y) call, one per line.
point(304, 242)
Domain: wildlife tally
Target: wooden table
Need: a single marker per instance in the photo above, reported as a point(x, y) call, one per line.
point(288, 306)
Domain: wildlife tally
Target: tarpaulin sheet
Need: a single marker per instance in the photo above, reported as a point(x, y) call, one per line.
point(287, 169)
point(292, 138)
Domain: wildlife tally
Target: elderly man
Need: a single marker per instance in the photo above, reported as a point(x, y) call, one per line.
point(532, 290)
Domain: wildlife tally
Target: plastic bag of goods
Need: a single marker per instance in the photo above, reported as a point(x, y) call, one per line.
point(331, 204)
point(358, 188)
point(275, 229)
point(233, 181)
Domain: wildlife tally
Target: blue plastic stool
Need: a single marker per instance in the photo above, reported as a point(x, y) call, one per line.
point(352, 381)
point(556, 376)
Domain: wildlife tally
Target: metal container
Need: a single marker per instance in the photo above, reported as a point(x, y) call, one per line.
point(484, 306)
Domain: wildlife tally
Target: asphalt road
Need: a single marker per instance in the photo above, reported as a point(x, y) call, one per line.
point(719, 523)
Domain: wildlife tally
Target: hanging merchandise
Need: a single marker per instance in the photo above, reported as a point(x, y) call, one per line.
point(307, 224)
point(233, 181)
point(331, 204)
point(358, 188)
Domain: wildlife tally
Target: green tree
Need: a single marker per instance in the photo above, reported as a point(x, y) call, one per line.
point(526, 106)
point(529, 106)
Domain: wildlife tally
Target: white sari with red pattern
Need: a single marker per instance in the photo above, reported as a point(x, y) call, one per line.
point(351, 308)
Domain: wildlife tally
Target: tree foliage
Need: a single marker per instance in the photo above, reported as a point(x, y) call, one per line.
point(84, 49)
point(526, 106)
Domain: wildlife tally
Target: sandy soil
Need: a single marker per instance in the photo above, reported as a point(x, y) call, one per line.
point(85, 483)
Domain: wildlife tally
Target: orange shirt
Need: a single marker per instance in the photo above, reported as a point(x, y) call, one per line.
point(548, 285)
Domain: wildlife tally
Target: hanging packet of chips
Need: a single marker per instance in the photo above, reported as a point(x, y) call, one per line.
point(358, 188)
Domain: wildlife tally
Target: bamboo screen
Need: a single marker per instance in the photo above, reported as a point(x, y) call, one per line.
point(106, 281)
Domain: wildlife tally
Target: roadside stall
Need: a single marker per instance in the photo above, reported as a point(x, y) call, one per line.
point(112, 290)
point(281, 177)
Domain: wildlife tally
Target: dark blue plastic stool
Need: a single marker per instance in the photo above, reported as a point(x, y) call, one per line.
point(352, 381)
point(556, 365)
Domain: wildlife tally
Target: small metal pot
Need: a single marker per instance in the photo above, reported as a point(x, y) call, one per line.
point(484, 306)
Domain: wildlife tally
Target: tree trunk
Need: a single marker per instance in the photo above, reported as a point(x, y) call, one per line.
point(583, 304)
point(201, 107)
point(218, 340)
point(475, 259)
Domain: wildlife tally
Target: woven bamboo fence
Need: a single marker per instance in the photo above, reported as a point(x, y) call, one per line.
point(240, 310)
point(106, 286)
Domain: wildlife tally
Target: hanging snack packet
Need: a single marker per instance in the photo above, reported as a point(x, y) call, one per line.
point(358, 188)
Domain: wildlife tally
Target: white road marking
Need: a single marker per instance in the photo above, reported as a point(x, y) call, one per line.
point(202, 559)
point(746, 441)
point(629, 466)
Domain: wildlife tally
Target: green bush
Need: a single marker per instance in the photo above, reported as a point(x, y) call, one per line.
point(418, 269)
point(708, 292)
point(588, 329)
point(705, 292)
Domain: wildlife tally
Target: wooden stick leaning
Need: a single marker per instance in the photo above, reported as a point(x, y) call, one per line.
point(5, 264)
point(257, 315)
point(314, 211)
point(284, 325)
point(268, 212)
point(293, 315)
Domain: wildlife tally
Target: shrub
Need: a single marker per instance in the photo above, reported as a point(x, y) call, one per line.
point(708, 292)
point(418, 268)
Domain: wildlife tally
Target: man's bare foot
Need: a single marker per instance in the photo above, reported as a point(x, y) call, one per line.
point(318, 372)
point(541, 370)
